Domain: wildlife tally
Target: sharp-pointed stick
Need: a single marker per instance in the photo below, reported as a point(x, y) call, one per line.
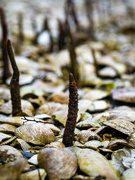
point(14, 84)
point(68, 136)
point(6, 71)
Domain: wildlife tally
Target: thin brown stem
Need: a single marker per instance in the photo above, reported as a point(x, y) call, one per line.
point(68, 136)
point(95, 63)
point(14, 84)
point(73, 58)
point(6, 71)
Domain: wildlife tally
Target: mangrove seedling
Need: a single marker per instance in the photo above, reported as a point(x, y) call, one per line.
point(68, 136)
point(14, 84)
point(73, 58)
point(70, 10)
point(20, 28)
point(6, 71)
point(95, 63)
point(89, 13)
point(62, 35)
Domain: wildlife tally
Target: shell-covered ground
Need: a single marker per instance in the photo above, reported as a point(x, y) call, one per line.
point(31, 143)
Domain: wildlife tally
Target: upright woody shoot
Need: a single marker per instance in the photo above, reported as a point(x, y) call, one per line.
point(68, 136)
point(14, 85)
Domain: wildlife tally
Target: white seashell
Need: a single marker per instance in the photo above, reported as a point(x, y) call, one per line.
point(44, 38)
point(95, 94)
point(58, 163)
point(34, 159)
point(35, 133)
point(129, 174)
point(83, 105)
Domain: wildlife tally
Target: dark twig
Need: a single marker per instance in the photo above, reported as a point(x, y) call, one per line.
point(35, 120)
point(71, 11)
point(20, 27)
point(62, 35)
point(89, 13)
point(47, 28)
point(14, 85)
point(6, 71)
point(68, 136)
point(95, 63)
point(73, 58)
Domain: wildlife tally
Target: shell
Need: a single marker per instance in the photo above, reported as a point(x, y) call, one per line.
point(4, 136)
point(8, 153)
point(51, 107)
point(33, 175)
point(85, 116)
point(27, 108)
point(93, 144)
point(99, 105)
point(81, 177)
point(7, 128)
point(107, 72)
point(95, 94)
point(86, 135)
point(124, 94)
point(117, 159)
point(25, 146)
point(60, 97)
point(34, 159)
point(129, 174)
point(55, 144)
point(12, 120)
point(87, 123)
point(93, 164)
point(61, 117)
point(58, 163)
point(121, 125)
point(83, 105)
point(118, 143)
point(13, 169)
point(35, 133)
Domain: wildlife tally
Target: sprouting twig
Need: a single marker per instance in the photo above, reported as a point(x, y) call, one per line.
point(20, 27)
point(68, 136)
point(95, 62)
point(6, 71)
point(73, 58)
point(89, 13)
point(14, 84)
point(47, 28)
point(62, 35)
point(71, 11)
